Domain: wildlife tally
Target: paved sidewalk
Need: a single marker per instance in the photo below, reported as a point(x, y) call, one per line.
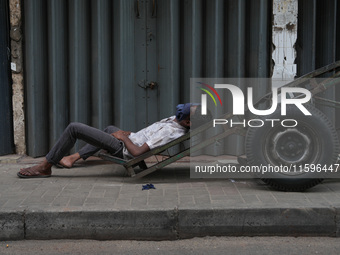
point(97, 200)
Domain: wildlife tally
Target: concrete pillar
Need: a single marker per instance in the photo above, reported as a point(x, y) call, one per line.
point(17, 76)
point(284, 35)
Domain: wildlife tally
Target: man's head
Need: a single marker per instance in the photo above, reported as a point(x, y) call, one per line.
point(189, 115)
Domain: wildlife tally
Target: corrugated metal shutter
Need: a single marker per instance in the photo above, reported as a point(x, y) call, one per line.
point(93, 61)
point(6, 121)
point(318, 43)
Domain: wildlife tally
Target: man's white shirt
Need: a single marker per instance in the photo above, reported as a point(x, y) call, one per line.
point(156, 135)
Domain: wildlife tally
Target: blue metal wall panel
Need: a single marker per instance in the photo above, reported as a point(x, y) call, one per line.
point(306, 42)
point(326, 42)
point(6, 121)
point(214, 57)
point(101, 63)
point(151, 38)
point(214, 39)
point(57, 68)
point(79, 59)
point(36, 77)
point(168, 27)
point(236, 61)
point(143, 28)
point(236, 47)
point(318, 43)
point(124, 56)
point(103, 54)
point(191, 45)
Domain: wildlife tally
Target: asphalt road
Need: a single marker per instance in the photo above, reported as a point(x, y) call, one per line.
point(206, 245)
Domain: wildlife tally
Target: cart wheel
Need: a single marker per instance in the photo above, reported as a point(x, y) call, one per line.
point(312, 141)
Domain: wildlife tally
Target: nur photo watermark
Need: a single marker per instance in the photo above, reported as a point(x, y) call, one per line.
point(278, 132)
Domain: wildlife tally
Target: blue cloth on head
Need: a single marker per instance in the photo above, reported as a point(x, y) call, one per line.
point(183, 111)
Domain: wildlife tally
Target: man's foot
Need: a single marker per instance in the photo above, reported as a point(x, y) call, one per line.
point(69, 160)
point(42, 170)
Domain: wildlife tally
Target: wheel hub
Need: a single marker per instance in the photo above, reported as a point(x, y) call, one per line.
point(291, 146)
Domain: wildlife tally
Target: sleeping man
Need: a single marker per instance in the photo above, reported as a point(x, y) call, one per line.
point(123, 144)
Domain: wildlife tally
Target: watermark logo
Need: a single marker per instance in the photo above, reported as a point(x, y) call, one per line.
point(238, 99)
point(283, 97)
point(204, 97)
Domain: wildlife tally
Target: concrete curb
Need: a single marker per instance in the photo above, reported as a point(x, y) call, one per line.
point(169, 224)
point(12, 226)
point(258, 222)
point(149, 225)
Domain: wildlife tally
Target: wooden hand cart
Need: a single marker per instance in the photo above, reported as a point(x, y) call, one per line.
point(314, 142)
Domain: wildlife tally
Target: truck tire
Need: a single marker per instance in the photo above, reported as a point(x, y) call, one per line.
point(312, 142)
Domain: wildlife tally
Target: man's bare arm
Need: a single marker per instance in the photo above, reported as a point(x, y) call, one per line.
point(130, 146)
